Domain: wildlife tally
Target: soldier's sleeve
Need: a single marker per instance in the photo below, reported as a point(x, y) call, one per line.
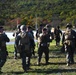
point(75, 35)
point(32, 43)
point(6, 39)
point(61, 32)
point(17, 40)
point(17, 44)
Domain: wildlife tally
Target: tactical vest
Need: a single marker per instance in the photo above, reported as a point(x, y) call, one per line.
point(24, 41)
point(68, 37)
point(44, 40)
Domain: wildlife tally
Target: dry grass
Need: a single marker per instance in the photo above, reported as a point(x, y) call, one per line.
point(56, 66)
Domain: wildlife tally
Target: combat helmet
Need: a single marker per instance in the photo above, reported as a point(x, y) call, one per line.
point(69, 25)
point(23, 27)
point(48, 25)
point(18, 26)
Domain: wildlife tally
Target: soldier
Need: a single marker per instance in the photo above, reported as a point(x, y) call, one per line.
point(43, 42)
point(39, 31)
point(29, 30)
point(15, 35)
point(57, 35)
point(69, 38)
point(23, 43)
point(48, 27)
point(3, 49)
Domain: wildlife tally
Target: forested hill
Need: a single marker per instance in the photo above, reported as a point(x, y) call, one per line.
point(45, 9)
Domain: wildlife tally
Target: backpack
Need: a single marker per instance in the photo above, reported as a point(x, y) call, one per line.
point(24, 41)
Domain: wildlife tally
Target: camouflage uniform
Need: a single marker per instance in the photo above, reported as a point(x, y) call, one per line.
point(15, 34)
point(23, 43)
point(57, 34)
point(39, 31)
point(30, 32)
point(3, 49)
point(69, 38)
point(43, 42)
point(48, 27)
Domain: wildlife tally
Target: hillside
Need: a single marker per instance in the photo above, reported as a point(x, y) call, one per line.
point(63, 10)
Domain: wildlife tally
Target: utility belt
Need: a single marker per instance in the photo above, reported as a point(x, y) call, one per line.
point(25, 44)
point(44, 44)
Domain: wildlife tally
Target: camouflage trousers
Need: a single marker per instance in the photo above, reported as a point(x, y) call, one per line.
point(69, 49)
point(3, 57)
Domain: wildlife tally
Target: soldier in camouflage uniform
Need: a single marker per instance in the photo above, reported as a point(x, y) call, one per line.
point(57, 35)
point(29, 31)
point(3, 49)
point(39, 31)
point(69, 39)
point(23, 44)
point(48, 27)
point(15, 35)
point(43, 42)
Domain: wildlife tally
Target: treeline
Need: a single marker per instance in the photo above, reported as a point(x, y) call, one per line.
point(29, 10)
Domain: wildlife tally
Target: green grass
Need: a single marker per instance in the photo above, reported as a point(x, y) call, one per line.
point(56, 66)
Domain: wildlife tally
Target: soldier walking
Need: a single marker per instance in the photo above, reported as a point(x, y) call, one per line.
point(69, 38)
point(30, 32)
point(23, 43)
point(43, 42)
point(3, 49)
point(57, 35)
point(15, 35)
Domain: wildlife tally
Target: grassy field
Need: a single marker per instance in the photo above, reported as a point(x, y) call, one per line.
point(56, 66)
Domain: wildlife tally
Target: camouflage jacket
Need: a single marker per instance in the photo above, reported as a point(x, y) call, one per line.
point(3, 40)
